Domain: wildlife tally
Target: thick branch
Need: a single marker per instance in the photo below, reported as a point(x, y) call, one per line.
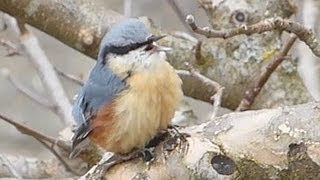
point(217, 149)
point(73, 24)
point(304, 34)
point(32, 168)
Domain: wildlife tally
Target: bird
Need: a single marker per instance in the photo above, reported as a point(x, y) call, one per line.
point(131, 94)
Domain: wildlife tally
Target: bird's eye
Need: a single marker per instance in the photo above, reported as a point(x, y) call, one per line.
point(149, 47)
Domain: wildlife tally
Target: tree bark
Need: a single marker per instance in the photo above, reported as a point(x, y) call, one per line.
point(32, 168)
point(265, 144)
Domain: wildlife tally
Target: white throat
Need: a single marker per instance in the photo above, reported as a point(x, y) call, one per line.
point(136, 61)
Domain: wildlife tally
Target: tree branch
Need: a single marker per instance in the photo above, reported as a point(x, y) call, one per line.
point(12, 49)
point(304, 34)
point(48, 76)
point(177, 10)
point(29, 93)
point(77, 27)
point(252, 92)
point(33, 133)
point(5, 161)
point(70, 77)
point(127, 8)
point(58, 156)
point(32, 168)
point(217, 150)
point(214, 86)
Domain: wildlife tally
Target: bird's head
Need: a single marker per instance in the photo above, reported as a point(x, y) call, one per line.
point(130, 42)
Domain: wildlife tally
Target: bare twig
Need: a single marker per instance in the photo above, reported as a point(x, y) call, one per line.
point(198, 54)
point(304, 34)
point(197, 46)
point(11, 168)
point(48, 75)
point(174, 6)
point(57, 155)
point(33, 133)
point(127, 8)
point(11, 47)
point(216, 98)
point(70, 77)
point(29, 93)
point(252, 92)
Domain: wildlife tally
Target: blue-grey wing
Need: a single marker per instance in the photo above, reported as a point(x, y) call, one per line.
point(100, 89)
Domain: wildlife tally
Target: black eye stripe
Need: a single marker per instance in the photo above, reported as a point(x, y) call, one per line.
point(125, 49)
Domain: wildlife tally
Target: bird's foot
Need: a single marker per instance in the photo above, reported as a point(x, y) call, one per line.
point(176, 139)
point(107, 162)
point(147, 154)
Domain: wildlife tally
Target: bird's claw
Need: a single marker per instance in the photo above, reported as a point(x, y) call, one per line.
point(147, 154)
point(176, 139)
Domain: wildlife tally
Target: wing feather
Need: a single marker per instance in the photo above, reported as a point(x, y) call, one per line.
point(98, 92)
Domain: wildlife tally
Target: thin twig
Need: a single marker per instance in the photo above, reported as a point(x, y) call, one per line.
point(10, 166)
point(70, 77)
point(198, 55)
point(11, 47)
point(174, 6)
point(48, 75)
point(57, 155)
point(26, 91)
point(33, 133)
point(216, 98)
point(196, 48)
point(304, 34)
point(252, 92)
point(42, 139)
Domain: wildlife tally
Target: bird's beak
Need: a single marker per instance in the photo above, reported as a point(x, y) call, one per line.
point(154, 38)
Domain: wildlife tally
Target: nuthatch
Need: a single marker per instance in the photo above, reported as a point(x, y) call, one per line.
point(131, 94)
